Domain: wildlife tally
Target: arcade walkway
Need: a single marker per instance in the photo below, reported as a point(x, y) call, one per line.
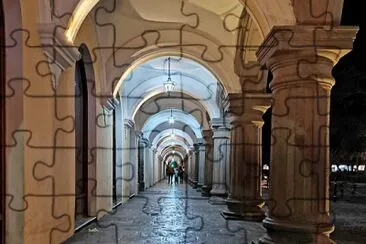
point(178, 214)
point(168, 214)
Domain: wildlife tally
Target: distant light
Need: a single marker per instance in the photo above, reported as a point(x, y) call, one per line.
point(171, 120)
point(334, 168)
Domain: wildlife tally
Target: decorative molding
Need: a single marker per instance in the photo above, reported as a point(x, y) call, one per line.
point(110, 103)
point(219, 123)
point(60, 53)
point(129, 123)
point(304, 37)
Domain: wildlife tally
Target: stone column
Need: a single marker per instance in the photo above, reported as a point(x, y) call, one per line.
point(201, 163)
point(301, 59)
point(162, 166)
point(134, 162)
point(207, 185)
point(221, 135)
point(150, 159)
point(192, 169)
point(141, 163)
point(147, 163)
point(156, 164)
point(196, 162)
point(245, 195)
point(126, 163)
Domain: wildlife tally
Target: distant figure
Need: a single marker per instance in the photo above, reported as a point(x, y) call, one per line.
point(180, 173)
point(167, 172)
point(176, 175)
point(170, 174)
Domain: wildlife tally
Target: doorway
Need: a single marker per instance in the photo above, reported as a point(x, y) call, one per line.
point(81, 143)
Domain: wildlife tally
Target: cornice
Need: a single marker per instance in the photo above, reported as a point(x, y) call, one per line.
point(60, 53)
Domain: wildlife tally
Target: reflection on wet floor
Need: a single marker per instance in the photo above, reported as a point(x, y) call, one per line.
point(169, 214)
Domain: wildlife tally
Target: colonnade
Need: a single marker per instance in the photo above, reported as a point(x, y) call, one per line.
point(226, 163)
point(299, 178)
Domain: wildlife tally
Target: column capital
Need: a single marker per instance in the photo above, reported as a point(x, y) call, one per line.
point(201, 141)
point(247, 108)
point(219, 123)
point(319, 39)
point(139, 134)
point(304, 54)
point(60, 52)
point(145, 141)
point(221, 133)
point(129, 123)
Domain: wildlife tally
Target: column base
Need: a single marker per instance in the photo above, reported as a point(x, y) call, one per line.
point(257, 217)
point(216, 200)
point(244, 210)
point(220, 192)
point(298, 238)
point(142, 186)
point(291, 232)
point(205, 191)
point(199, 186)
point(194, 184)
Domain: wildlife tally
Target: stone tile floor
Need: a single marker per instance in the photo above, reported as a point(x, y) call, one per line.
point(178, 214)
point(169, 214)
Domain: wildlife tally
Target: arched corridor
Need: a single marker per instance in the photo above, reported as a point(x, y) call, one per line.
point(181, 121)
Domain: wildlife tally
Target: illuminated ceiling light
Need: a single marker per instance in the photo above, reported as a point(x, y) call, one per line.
point(171, 118)
point(173, 152)
point(169, 84)
point(172, 134)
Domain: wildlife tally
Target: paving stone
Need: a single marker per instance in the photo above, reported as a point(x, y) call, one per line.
point(178, 214)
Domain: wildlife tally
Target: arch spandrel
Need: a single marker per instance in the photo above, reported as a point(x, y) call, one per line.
point(177, 101)
point(167, 133)
point(152, 123)
point(151, 134)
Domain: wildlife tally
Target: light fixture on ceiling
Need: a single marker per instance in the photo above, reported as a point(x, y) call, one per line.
point(171, 118)
point(169, 84)
point(172, 134)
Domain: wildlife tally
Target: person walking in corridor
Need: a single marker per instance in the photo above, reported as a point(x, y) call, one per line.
point(180, 173)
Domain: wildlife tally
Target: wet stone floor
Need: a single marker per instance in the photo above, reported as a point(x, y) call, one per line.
point(178, 214)
point(168, 214)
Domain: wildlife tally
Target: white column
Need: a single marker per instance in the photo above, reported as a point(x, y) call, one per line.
point(202, 162)
point(126, 160)
point(155, 161)
point(141, 163)
point(147, 173)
